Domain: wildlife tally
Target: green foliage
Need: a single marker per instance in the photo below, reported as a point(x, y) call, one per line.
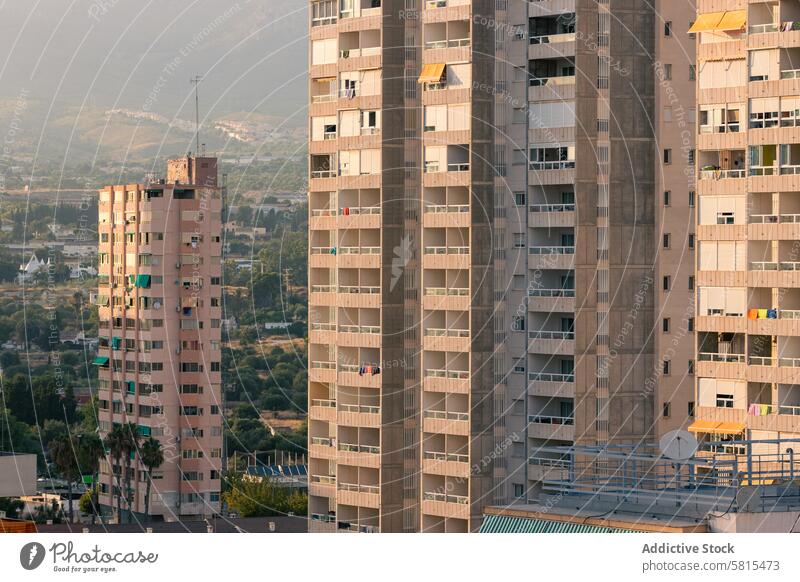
point(252, 498)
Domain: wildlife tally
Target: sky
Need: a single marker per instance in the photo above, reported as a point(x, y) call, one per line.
point(141, 55)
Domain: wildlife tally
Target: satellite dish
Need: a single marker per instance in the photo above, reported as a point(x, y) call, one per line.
point(678, 445)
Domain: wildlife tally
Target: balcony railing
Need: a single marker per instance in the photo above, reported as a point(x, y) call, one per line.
point(774, 266)
point(730, 127)
point(323, 403)
point(445, 415)
point(358, 210)
point(323, 327)
point(359, 250)
point(355, 448)
point(774, 218)
point(551, 293)
point(446, 250)
point(323, 517)
point(370, 329)
point(323, 288)
point(560, 80)
point(551, 208)
point(442, 332)
point(458, 167)
point(447, 43)
point(357, 488)
point(721, 174)
point(319, 365)
point(544, 462)
point(790, 74)
point(441, 456)
point(359, 408)
point(724, 358)
point(789, 362)
point(556, 165)
point(324, 479)
point(449, 374)
point(327, 98)
point(550, 377)
point(323, 173)
point(446, 291)
point(365, 289)
point(553, 38)
point(446, 208)
point(446, 497)
point(551, 335)
point(317, 212)
point(323, 441)
point(544, 419)
point(761, 361)
point(788, 170)
point(359, 52)
point(763, 28)
point(789, 410)
point(551, 250)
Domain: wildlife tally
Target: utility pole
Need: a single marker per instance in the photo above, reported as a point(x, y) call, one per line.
point(196, 82)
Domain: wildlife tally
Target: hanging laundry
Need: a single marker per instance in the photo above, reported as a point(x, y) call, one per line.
point(762, 313)
point(752, 314)
point(753, 410)
point(764, 409)
point(772, 314)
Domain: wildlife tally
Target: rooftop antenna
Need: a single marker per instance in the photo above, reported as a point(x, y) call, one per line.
point(196, 82)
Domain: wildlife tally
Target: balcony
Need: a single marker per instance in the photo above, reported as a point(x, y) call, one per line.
point(446, 340)
point(359, 455)
point(444, 380)
point(358, 495)
point(551, 342)
point(551, 300)
point(322, 371)
point(445, 505)
point(447, 464)
point(543, 469)
point(446, 215)
point(321, 448)
point(551, 385)
point(551, 215)
point(547, 257)
point(323, 409)
point(551, 427)
point(445, 422)
point(322, 485)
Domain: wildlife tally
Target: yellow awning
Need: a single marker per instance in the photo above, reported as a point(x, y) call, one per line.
point(707, 22)
point(714, 427)
point(431, 73)
point(703, 426)
point(733, 20)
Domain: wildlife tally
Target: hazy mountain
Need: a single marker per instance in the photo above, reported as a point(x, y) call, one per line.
point(65, 64)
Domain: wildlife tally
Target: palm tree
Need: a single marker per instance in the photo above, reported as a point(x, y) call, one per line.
point(62, 453)
point(114, 444)
point(130, 445)
point(90, 451)
point(152, 457)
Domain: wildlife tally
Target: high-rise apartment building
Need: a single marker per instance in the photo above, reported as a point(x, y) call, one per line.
point(484, 249)
point(748, 296)
point(159, 358)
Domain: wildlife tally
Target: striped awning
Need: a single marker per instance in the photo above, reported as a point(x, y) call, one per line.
point(506, 524)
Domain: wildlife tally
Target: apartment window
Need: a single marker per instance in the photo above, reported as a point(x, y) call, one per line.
point(666, 240)
point(519, 369)
point(690, 157)
point(518, 323)
point(690, 367)
point(665, 325)
point(691, 282)
point(667, 72)
point(691, 241)
point(667, 194)
point(519, 115)
point(520, 198)
point(519, 490)
point(692, 72)
point(665, 367)
point(215, 366)
point(724, 400)
point(519, 240)
point(668, 28)
point(690, 324)
point(667, 114)
point(602, 125)
point(668, 156)
point(666, 282)
point(690, 408)
point(665, 409)
point(215, 280)
point(691, 199)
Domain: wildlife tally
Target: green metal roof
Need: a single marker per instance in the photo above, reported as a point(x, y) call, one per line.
point(506, 524)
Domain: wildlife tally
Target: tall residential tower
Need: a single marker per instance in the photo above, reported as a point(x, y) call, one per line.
point(159, 359)
point(484, 249)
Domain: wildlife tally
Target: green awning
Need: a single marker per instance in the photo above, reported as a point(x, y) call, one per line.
point(144, 430)
point(143, 281)
point(100, 361)
point(131, 386)
point(505, 524)
point(116, 342)
point(87, 479)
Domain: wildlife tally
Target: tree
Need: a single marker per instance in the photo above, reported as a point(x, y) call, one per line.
point(261, 498)
point(62, 453)
point(114, 443)
point(130, 444)
point(152, 457)
point(90, 452)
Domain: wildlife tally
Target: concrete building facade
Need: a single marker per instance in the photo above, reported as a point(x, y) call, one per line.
point(159, 358)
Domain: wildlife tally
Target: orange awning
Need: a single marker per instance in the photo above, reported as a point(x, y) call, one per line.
point(714, 427)
point(706, 22)
point(432, 73)
point(733, 20)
